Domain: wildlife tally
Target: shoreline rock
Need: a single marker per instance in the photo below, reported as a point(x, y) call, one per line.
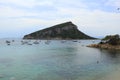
point(112, 42)
point(105, 46)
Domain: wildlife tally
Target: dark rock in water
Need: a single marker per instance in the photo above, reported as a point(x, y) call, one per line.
point(1, 76)
point(66, 30)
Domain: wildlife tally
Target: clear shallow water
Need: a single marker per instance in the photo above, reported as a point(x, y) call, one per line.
point(57, 61)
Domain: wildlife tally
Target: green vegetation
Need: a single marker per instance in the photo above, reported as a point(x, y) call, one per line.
point(112, 43)
point(111, 39)
point(107, 37)
point(114, 40)
point(61, 31)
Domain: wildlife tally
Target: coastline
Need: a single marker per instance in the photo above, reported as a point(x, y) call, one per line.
point(105, 46)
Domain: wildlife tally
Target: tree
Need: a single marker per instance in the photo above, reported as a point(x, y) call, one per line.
point(114, 40)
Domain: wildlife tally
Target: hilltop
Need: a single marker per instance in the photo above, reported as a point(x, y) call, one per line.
point(66, 30)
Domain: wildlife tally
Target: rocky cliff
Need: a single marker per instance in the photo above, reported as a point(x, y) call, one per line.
point(66, 30)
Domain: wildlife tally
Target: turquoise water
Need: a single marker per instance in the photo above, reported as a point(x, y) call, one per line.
point(57, 60)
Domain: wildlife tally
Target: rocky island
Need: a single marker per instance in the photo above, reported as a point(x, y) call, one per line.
point(66, 30)
point(111, 42)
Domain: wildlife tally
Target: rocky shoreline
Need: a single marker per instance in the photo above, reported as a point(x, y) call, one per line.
point(105, 46)
point(111, 42)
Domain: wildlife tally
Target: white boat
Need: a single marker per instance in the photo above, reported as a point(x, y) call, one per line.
point(36, 42)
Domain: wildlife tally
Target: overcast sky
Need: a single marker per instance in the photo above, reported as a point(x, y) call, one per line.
point(94, 17)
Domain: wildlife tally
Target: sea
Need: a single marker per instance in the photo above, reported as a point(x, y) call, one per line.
point(57, 60)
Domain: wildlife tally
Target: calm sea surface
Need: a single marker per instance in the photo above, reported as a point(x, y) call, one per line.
point(57, 60)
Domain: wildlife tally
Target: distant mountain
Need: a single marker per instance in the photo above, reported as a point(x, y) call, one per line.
point(66, 30)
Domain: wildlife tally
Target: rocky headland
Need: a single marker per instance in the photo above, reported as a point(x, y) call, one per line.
point(66, 30)
point(111, 42)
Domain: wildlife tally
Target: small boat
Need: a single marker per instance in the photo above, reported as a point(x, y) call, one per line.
point(24, 42)
point(82, 45)
point(7, 41)
point(47, 42)
point(93, 41)
point(29, 44)
point(36, 42)
point(118, 9)
point(13, 40)
point(97, 62)
point(63, 41)
point(75, 41)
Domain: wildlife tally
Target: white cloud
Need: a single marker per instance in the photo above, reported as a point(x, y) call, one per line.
point(10, 12)
point(115, 3)
point(26, 3)
point(94, 22)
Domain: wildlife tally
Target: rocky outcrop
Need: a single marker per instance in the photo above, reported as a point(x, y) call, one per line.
point(66, 30)
point(105, 46)
point(112, 43)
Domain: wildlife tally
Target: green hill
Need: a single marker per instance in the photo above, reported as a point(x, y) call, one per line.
point(66, 30)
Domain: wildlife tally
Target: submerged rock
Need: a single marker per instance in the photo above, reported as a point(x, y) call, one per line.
point(1, 76)
point(12, 78)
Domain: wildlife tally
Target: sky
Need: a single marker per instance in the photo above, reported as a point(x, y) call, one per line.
point(96, 18)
